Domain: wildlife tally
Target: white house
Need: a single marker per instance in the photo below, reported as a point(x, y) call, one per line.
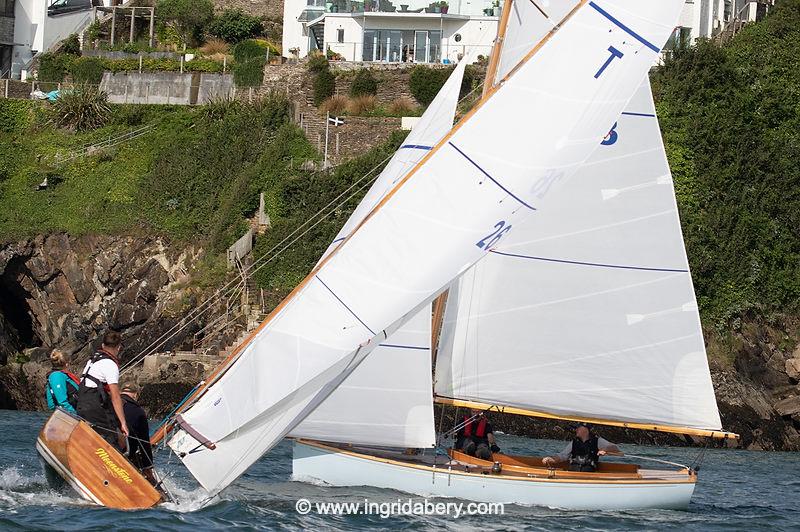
point(28, 27)
point(707, 18)
point(378, 30)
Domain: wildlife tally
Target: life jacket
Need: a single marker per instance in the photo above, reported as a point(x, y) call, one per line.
point(480, 431)
point(584, 452)
point(102, 387)
point(72, 382)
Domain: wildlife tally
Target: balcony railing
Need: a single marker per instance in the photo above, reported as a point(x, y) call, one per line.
point(454, 7)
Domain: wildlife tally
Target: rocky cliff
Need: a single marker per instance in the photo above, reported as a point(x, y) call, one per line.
point(62, 292)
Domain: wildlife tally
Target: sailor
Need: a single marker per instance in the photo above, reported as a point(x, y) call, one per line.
point(475, 437)
point(584, 452)
point(99, 400)
point(61, 389)
point(140, 452)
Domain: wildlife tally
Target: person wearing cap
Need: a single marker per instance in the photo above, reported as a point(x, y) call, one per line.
point(140, 452)
point(584, 452)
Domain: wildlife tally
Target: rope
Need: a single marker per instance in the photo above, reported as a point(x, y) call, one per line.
point(264, 259)
point(168, 416)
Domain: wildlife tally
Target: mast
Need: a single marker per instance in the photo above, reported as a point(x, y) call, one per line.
point(494, 59)
point(440, 302)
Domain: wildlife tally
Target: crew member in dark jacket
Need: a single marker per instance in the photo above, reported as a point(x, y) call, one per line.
point(584, 452)
point(140, 452)
point(475, 437)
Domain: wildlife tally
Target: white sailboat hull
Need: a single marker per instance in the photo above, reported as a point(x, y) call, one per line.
point(345, 468)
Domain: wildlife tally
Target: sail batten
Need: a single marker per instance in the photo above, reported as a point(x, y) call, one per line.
point(588, 310)
point(437, 221)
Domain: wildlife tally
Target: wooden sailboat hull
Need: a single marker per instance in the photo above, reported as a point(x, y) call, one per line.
point(91, 466)
point(339, 467)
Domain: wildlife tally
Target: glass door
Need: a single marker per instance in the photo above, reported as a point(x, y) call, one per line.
point(420, 46)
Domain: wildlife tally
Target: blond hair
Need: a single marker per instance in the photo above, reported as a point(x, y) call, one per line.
point(58, 359)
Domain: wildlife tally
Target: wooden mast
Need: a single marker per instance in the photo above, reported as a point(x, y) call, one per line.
point(439, 304)
point(494, 59)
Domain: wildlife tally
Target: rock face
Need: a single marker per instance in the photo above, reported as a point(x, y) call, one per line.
point(62, 292)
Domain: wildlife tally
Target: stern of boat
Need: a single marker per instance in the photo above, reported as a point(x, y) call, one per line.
point(91, 466)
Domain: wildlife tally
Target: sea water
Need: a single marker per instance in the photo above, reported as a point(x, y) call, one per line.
point(736, 490)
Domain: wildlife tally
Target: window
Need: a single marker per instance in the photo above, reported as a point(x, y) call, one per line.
point(340, 35)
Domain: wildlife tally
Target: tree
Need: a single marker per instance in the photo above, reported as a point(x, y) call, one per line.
point(186, 17)
point(233, 26)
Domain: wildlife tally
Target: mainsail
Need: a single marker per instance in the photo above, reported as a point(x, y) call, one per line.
point(387, 400)
point(492, 171)
point(587, 310)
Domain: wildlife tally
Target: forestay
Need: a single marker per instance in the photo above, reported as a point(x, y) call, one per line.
point(588, 309)
point(490, 173)
point(388, 400)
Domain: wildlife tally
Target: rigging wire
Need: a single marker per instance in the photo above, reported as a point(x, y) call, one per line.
point(204, 307)
point(265, 259)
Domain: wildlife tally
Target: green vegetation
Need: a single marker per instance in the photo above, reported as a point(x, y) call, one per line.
point(300, 199)
point(425, 82)
point(250, 56)
point(324, 80)
point(71, 45)
point(194, 177)
point(87, 70)
point(233, 26)
point(185, 18)
point(364, 84)
point(81, 109)
point(731, 125)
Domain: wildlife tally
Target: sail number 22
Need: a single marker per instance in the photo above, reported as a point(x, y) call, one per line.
point(488, 242)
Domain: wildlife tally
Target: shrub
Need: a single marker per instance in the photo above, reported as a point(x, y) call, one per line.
point(71, 45)
point(317, 63)
point(52, 67)
point(93, 31)
point(233, 25)
point(186, 17)
point(324, 86)
point(361, 104)
point(81, 109)
point(87, 70)
point(250, 56)
point(403, 106)
point(364, 83)
point(425, 82)
point(215, 46)
point(15, 115)
point(336, 104)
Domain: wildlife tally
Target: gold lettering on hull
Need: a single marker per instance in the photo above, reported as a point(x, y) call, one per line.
point(116, 471)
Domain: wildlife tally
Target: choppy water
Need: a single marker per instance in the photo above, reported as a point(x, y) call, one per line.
point(737, 490)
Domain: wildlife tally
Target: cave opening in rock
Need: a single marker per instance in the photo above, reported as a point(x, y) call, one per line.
point(15, 310)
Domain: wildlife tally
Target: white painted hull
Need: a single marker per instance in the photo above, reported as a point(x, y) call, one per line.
point(343, 468)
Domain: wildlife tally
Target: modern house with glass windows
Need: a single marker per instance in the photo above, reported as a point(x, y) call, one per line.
point(380, 30)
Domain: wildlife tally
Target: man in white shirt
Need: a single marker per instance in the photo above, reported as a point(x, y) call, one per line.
point(99, 399)
point(584, 452)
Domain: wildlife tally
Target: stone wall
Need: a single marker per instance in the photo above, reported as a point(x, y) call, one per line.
point(271, 9)
point(10, 88)
point(173, 88)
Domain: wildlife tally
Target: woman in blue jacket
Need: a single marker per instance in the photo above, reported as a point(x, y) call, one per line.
point(61, 384)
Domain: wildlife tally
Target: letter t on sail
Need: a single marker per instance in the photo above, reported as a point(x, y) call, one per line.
point(614, 55)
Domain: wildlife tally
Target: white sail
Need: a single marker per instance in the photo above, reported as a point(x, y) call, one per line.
point(387, 400)
point(528, 22)
point(588, 309)
point(434, 123)
point(492, 171)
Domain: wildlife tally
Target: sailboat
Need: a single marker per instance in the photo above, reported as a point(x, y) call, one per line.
point(537, 254)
